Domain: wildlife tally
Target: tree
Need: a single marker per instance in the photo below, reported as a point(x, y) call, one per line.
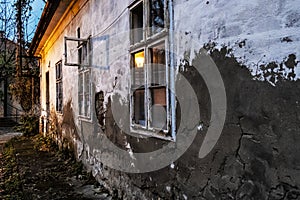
point(7, 50)
point(21, 68)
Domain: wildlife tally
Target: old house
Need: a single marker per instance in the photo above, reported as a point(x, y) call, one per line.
point(175, 99)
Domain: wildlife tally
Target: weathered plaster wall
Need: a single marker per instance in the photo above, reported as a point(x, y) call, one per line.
point(257, 32)
point(256, 155)
point(103, 74)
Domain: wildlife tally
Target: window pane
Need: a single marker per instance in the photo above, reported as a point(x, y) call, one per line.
point(58, 70)
point(87, 105)
point(87, 93)
point(81, 109)
point(59, 89)
point(139, 107)
point(60, 101)
point(137, 24)
point(157, 68)
point(157, 19)
point(59, 96)
point(79, 56)
point(159, 108)
point(138, 72)
point(87, 82)
point(80, 84)
point(84, 54)
point(80, 93)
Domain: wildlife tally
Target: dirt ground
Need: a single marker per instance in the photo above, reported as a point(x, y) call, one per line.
point(33, 168)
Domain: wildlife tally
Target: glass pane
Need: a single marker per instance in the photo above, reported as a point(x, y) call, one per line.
point(159, 108)
point(60, 102)
point(82, 54)
point(80, 84)
point(138, 72)
point(137, 24)
point(59, 96)
point(157, 19)
point(58, 70)
point(80, 93)
point(87, 82)
point(139, 107)
point(79, 55)
point(86, 105)
point(81, 109)
point(157, 68)
point(84, 58)
point(87, 93)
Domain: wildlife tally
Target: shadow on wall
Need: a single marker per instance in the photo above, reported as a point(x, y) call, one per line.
point(64, 130)
point(256, 156)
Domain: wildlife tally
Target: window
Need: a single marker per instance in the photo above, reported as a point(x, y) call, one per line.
point(149, 105)
point(59, 87)
point(157, 17)
point(82, 51)
point(84, 92)
point(137, 24)
point(84, 88)
point(77, 51)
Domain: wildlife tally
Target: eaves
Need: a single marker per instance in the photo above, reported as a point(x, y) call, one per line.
point(52, 13)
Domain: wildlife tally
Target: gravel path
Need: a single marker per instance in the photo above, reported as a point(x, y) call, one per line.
point(45, 174)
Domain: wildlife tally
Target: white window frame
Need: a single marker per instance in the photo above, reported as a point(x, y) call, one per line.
point(149, 41)
point(82, 44)
point(84, 95)
point(84, 76)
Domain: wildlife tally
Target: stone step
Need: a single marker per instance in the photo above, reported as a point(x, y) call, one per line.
point(7, 122)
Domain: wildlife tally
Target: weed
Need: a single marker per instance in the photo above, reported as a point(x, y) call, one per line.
point(42, 143)
point(13, 182)
point(29, 125)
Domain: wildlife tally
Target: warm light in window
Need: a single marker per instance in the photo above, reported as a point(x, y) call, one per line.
point(139, 59)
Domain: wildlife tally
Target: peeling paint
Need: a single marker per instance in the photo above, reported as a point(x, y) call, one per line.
point(252, 31)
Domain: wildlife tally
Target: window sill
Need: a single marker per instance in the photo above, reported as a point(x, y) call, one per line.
point(143, 132)
point(157, 37)
point(85, 119)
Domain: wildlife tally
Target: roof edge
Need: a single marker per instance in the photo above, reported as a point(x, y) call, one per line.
point(48, 12)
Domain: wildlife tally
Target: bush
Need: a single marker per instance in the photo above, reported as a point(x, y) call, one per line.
point(45, 144)
point(29, 125)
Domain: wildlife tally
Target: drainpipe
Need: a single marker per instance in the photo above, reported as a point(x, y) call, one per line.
point(172, 71)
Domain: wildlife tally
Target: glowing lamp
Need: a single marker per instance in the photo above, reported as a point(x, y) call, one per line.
point(139, 59)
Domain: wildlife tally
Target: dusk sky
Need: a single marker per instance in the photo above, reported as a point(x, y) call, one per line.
point(38, 6)
point(37, 9)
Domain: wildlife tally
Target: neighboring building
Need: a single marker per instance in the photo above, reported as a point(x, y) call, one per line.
point(8, 105)
point(109, 71)
point(16, 82)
